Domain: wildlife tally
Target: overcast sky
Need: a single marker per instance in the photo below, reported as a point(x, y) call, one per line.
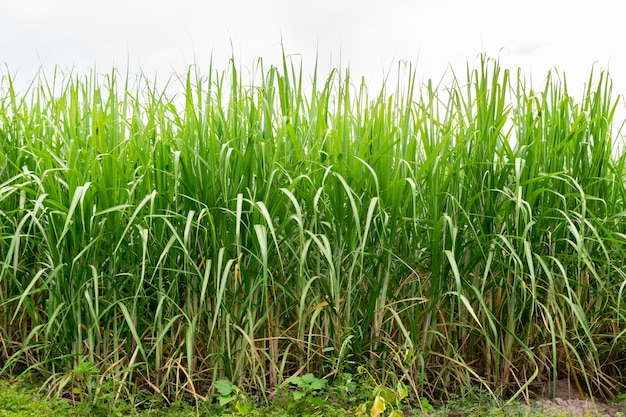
point(161, 37)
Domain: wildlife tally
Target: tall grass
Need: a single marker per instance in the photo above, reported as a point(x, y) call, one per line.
point(451, 235)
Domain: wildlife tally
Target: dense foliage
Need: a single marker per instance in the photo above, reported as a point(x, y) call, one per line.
point(450, 236)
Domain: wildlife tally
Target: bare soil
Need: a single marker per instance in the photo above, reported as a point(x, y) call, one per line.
point(567, 400)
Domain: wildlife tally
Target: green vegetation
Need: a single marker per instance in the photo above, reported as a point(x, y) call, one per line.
point(16, 400)
point(256, 231)
point(19, 398)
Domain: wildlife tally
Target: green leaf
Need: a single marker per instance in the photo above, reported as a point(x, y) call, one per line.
point(224, 387)
point(225, 399)
point(426, 406)
point(297, 381)
point(297, 395)
point(316, 401)
point(308, 378)
point(318, 384)
point(387, 394)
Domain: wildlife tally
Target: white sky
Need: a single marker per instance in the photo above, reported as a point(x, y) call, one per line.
point(159, 36)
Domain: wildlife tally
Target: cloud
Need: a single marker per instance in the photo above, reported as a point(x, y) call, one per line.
point(161, 35)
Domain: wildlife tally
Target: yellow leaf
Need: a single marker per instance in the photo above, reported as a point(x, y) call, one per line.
point(401, 391)
point(361, 410)
point(379, 406)
point(242, 407)
point(396, 413)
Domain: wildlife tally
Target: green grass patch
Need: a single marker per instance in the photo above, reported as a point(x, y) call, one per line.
point(19, 398)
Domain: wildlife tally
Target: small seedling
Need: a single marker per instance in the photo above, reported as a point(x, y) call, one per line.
point(307, 388)
point(386, 398)
point(84, 378)
point(229, 392)
point(346, 387)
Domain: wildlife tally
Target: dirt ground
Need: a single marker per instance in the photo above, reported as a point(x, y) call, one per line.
point(566, 400)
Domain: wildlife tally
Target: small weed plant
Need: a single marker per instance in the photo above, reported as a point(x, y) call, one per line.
point(384, 399)
point(85, 380)
point(229, 393)
point(307, 392)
